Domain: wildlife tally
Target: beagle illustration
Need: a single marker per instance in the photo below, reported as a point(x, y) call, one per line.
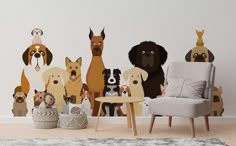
point(37, 58)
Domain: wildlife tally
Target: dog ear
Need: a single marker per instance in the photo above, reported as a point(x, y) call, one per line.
point(32, 32)
point(163, 55)
point(210, 56)
point(117, 71)
point(144, 74)
point(49, 56)
point(45, 91)
point(67, 61)
point(25, 56)
point(65, 76)
point(79, 61)
point(132, 55)
point(46, 76)
point(90, 34)
point(64, 97)
point(105, 71)
point(102, 34)
point(14, 95)
point(25, 95)
point(188, 56)
point(35, 91)
point(126, 74)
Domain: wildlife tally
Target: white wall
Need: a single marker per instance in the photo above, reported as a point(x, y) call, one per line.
point(127, 22)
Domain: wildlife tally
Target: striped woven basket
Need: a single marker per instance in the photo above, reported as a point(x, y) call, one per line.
point(45, 118)
point(73, 121)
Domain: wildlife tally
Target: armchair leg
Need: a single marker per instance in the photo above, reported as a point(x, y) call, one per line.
point(151, 124)
point(192, 127)
point(170, 121)
point(207, 122)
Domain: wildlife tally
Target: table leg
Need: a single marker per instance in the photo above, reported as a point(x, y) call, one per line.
point(133, 119)
point(99, 113)
point(128, 115)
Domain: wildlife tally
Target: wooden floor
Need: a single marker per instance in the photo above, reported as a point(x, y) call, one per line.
point(225, 132)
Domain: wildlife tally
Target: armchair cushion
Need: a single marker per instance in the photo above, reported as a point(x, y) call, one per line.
point(185, 88)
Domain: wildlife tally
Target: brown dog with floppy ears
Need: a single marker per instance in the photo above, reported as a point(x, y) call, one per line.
point(95, 78)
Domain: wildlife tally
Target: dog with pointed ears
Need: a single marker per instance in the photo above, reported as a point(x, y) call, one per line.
point(94, 76)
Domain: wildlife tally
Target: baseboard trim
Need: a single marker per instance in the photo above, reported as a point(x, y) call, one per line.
point(123, 120)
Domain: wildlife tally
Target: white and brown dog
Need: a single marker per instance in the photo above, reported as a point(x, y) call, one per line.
point(36, 58)
point(37, 33)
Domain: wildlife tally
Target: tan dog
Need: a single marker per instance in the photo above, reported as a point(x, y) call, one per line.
point(199, 53)
point(55, 78)
point(74, 85)
point(136, 76)
point(19, 104)
point(95, 78)
point(217, 106)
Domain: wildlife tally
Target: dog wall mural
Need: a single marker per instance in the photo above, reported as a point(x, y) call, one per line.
point(75, 83)
point(94, 75)
point(19, 104)
point(202, 54)
point(136, 76)
point(55, 79)
point(37, 58)
point(150, 57)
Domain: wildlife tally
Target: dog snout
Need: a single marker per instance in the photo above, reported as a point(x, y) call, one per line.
point(36, 55)
point(135, 82)
point(124, 92)
point(97, 49)
point(55, 82)
point(111, 80)
point(73, 73)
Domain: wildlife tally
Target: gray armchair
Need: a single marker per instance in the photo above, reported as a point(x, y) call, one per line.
point(188, 107)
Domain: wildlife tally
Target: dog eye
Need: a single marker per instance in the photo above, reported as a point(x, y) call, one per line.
point(94, 44)
point(108, 75)
point(32, 53)
point(152, 52)
point(70, 67)
point(195, 55)
point(40, 97)
point(99, 44)
point(204, 55)
point(52, 75)
point(76, 67)
point(58, 75)
point(42, 53)
point(143, 52)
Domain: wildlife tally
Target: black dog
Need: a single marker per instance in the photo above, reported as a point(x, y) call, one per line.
point(112, 88)
point(150, 57)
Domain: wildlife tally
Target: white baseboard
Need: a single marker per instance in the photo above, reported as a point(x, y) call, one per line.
point(123, 120)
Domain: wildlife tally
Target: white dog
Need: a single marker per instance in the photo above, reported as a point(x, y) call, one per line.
point(86, 105)
point(145, 106)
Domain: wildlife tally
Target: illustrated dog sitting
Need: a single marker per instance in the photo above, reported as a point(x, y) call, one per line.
point(37, 58)
point(37, 33)
point(124, 92)
point(74, 85)
point(136, 76)
point(55, 78)
point(199, 53)
point(94, 76)
point(48, 101)
point(150, 57)
point(19, 104)
point(111, 88)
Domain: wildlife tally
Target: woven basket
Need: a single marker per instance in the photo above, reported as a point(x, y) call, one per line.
point(74, 121)
point(45, 118)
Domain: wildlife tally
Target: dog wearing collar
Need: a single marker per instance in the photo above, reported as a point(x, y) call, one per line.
point(94, 76)
point(111, 88)
point(37, 58)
